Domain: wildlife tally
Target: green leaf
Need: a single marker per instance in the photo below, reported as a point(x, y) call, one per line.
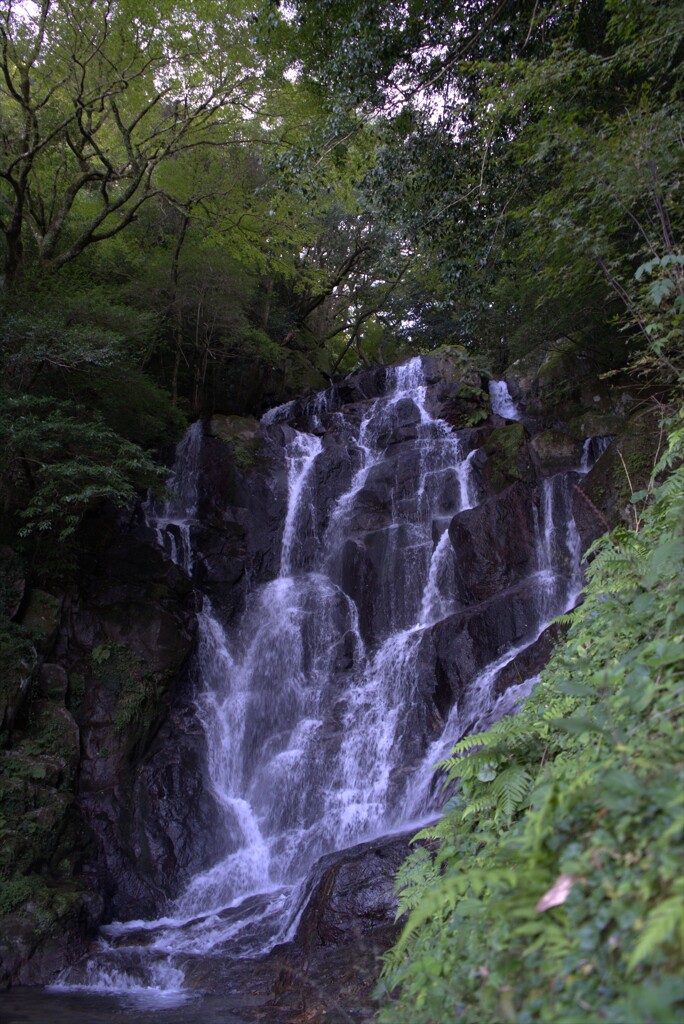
point(578, 725)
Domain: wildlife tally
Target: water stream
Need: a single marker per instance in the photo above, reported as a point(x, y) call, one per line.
point(309, 702)
point(502, 403)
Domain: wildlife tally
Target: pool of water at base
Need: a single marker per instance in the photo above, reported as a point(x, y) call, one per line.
point(41, 1006)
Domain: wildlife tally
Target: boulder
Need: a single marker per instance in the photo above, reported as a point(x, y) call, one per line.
point(352, 893)
point(361, 385)
point(508, 457)
point(555, 452)
point(495, 543)
point(450, 364)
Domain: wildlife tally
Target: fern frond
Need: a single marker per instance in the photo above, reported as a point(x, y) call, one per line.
point(486, 803)
point(511, 787)
point(664, 923)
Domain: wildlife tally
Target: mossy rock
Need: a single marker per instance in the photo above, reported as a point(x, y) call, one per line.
point(596, 424)
point(37, 803)
point(508, 457)
point(232, 428)
point(124, 693)
point(563, 366)
point(549, 381)
point(53, 731)
point(301, 376)
point(451, 363)
point(554, 452)
point(53, 682)
point(604, 497)
point(45, 919)
point(242, 434)
point(41, 615)
point(18, 660)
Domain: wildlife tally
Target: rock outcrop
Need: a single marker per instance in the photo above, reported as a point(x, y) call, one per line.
point(108, 665)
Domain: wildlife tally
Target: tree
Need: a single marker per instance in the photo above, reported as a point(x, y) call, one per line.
point(95, 97)
point(531, 154)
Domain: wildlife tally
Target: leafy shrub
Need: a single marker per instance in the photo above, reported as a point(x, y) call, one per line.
point(58, 462)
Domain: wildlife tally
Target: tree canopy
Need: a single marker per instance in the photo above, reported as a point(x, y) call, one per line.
point(531, 154)
point(96, 97)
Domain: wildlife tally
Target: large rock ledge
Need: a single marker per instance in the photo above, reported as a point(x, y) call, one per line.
point(328, 972)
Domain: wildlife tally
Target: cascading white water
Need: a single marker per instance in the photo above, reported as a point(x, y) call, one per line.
point(307, 701)
point(301, 454)
point(592, 450)
point(502, 403)
point(171, 518)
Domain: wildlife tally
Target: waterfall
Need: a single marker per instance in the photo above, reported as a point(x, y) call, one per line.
point(502, 403)
point(172, 518)
point(312, 697)
point(592, 450)
point(301, 454)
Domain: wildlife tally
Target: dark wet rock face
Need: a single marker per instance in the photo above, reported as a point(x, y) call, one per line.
point(128, 636)
point(496, 543)
point(353, 894)
point(73, 767)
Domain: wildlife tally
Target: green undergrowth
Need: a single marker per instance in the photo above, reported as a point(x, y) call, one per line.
point(556, 893)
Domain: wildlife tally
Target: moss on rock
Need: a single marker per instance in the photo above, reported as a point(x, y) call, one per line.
point(558, 382)
point(241, 433)
point(508, 457)
point(451, 363)
point(41, 616)
point(554, 451)
point(596, 424)
point(18, 659)
point(605, 496)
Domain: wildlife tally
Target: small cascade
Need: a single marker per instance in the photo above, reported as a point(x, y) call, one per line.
point(360, 804)
point(592, 450)
point(475, 713)
point(502, 403)
point(316, 408)
point(172, 518)
point(558, 548)
point(279, 414)
point(313, 698)
point(437, 600)
point(413, 476)
point(300, 454)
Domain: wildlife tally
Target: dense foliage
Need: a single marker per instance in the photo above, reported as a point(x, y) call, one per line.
point(556, 890)
point(168, 248)
point(531, 154)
